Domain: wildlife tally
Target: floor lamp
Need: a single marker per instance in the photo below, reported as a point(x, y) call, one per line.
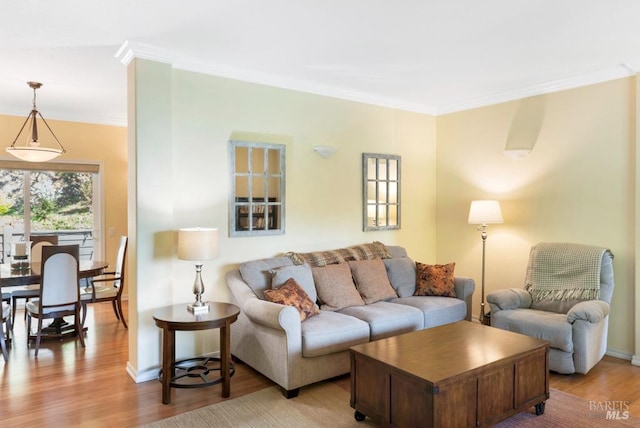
point(484, 213)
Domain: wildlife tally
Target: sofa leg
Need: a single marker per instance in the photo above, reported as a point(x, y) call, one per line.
point(290, 393)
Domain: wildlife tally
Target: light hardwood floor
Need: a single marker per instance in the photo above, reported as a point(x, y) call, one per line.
point(71, 386)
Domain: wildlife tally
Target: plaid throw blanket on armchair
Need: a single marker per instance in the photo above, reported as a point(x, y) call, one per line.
point(562, 271)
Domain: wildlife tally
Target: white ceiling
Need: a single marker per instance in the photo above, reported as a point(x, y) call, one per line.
point(432, 56)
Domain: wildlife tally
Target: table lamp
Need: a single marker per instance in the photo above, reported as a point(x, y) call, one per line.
point(484, 213)
point(198, 244)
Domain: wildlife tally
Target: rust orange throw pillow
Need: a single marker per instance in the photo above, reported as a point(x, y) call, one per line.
point(435, 280)
point(291, 293)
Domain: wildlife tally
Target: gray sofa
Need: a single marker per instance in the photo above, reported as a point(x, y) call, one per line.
point(271, 338)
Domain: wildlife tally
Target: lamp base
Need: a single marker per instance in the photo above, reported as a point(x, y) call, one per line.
point(198, 309)
point(486, 319)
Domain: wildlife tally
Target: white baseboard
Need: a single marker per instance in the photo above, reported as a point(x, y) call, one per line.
point(620, 354)
point(144, 376)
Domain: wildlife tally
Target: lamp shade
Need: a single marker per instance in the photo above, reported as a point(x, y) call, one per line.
point(485, 212)
point(32, 151)
point(197, 244)
point(34, 154)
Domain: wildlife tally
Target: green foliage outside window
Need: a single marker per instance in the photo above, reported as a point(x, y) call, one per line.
point(59, 200)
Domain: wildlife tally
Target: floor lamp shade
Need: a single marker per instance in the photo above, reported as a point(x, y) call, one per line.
point(198, 244)
point(483, 213)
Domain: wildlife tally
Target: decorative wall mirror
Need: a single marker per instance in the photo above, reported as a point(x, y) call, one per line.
point(256, 205)
point(381, 191)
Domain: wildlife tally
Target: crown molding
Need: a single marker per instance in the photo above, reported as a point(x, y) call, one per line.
point(599, 76)
point(632, 66)
point(130, 50)
point(258, 77)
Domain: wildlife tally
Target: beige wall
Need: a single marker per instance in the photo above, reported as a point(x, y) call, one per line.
point(90, 143)
point(577, 185)
point(180, 125)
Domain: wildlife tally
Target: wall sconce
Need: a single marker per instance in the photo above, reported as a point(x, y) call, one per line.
point(483, 213)
point(325, 151)
point(32, 151)
point(525, 128)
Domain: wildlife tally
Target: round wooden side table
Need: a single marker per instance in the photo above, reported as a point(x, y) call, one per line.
point(195, 372)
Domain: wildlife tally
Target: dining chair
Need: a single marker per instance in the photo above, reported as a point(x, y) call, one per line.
point(31, 291)
point(5, 328)
point(6, 296)
point(59, 290)
point(110, 288)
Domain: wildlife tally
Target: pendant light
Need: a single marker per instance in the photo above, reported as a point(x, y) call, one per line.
point(32, 151)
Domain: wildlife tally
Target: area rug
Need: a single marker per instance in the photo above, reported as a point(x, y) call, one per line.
point(327, 405)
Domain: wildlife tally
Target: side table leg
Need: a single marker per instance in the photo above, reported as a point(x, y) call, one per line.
point(225, 358)
point(168, 357)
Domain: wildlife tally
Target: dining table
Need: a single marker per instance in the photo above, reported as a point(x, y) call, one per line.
point(12, 277)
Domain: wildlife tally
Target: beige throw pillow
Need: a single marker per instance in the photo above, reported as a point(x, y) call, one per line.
point(372, 281)
point(335, 287)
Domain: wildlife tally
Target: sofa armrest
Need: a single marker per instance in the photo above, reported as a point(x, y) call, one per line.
point(593, 311)
point(273, 315)
point(509, 298)
point(268, 314)
point(464, 288)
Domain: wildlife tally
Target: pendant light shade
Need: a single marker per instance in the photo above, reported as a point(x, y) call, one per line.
point(31, 151)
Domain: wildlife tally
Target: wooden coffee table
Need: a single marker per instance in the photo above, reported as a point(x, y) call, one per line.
point(456, 375)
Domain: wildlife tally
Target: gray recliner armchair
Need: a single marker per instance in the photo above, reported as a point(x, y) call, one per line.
point(566, 298)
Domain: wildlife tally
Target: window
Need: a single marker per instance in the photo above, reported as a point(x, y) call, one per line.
point(50, 199)
point(381, 191)
point(256, 205)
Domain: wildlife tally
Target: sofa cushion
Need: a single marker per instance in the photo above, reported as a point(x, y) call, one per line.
point(257, 273)
point(302, 274)
point(559, 306)
point(341, 255)
point(371, 280)
point(397, 251)
point(437, 310)
point(435, 280)
point(330, 332)
point(292, 294)
point(402, 275)
point(335, 287)
point(387, 319)
point(544, 325)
